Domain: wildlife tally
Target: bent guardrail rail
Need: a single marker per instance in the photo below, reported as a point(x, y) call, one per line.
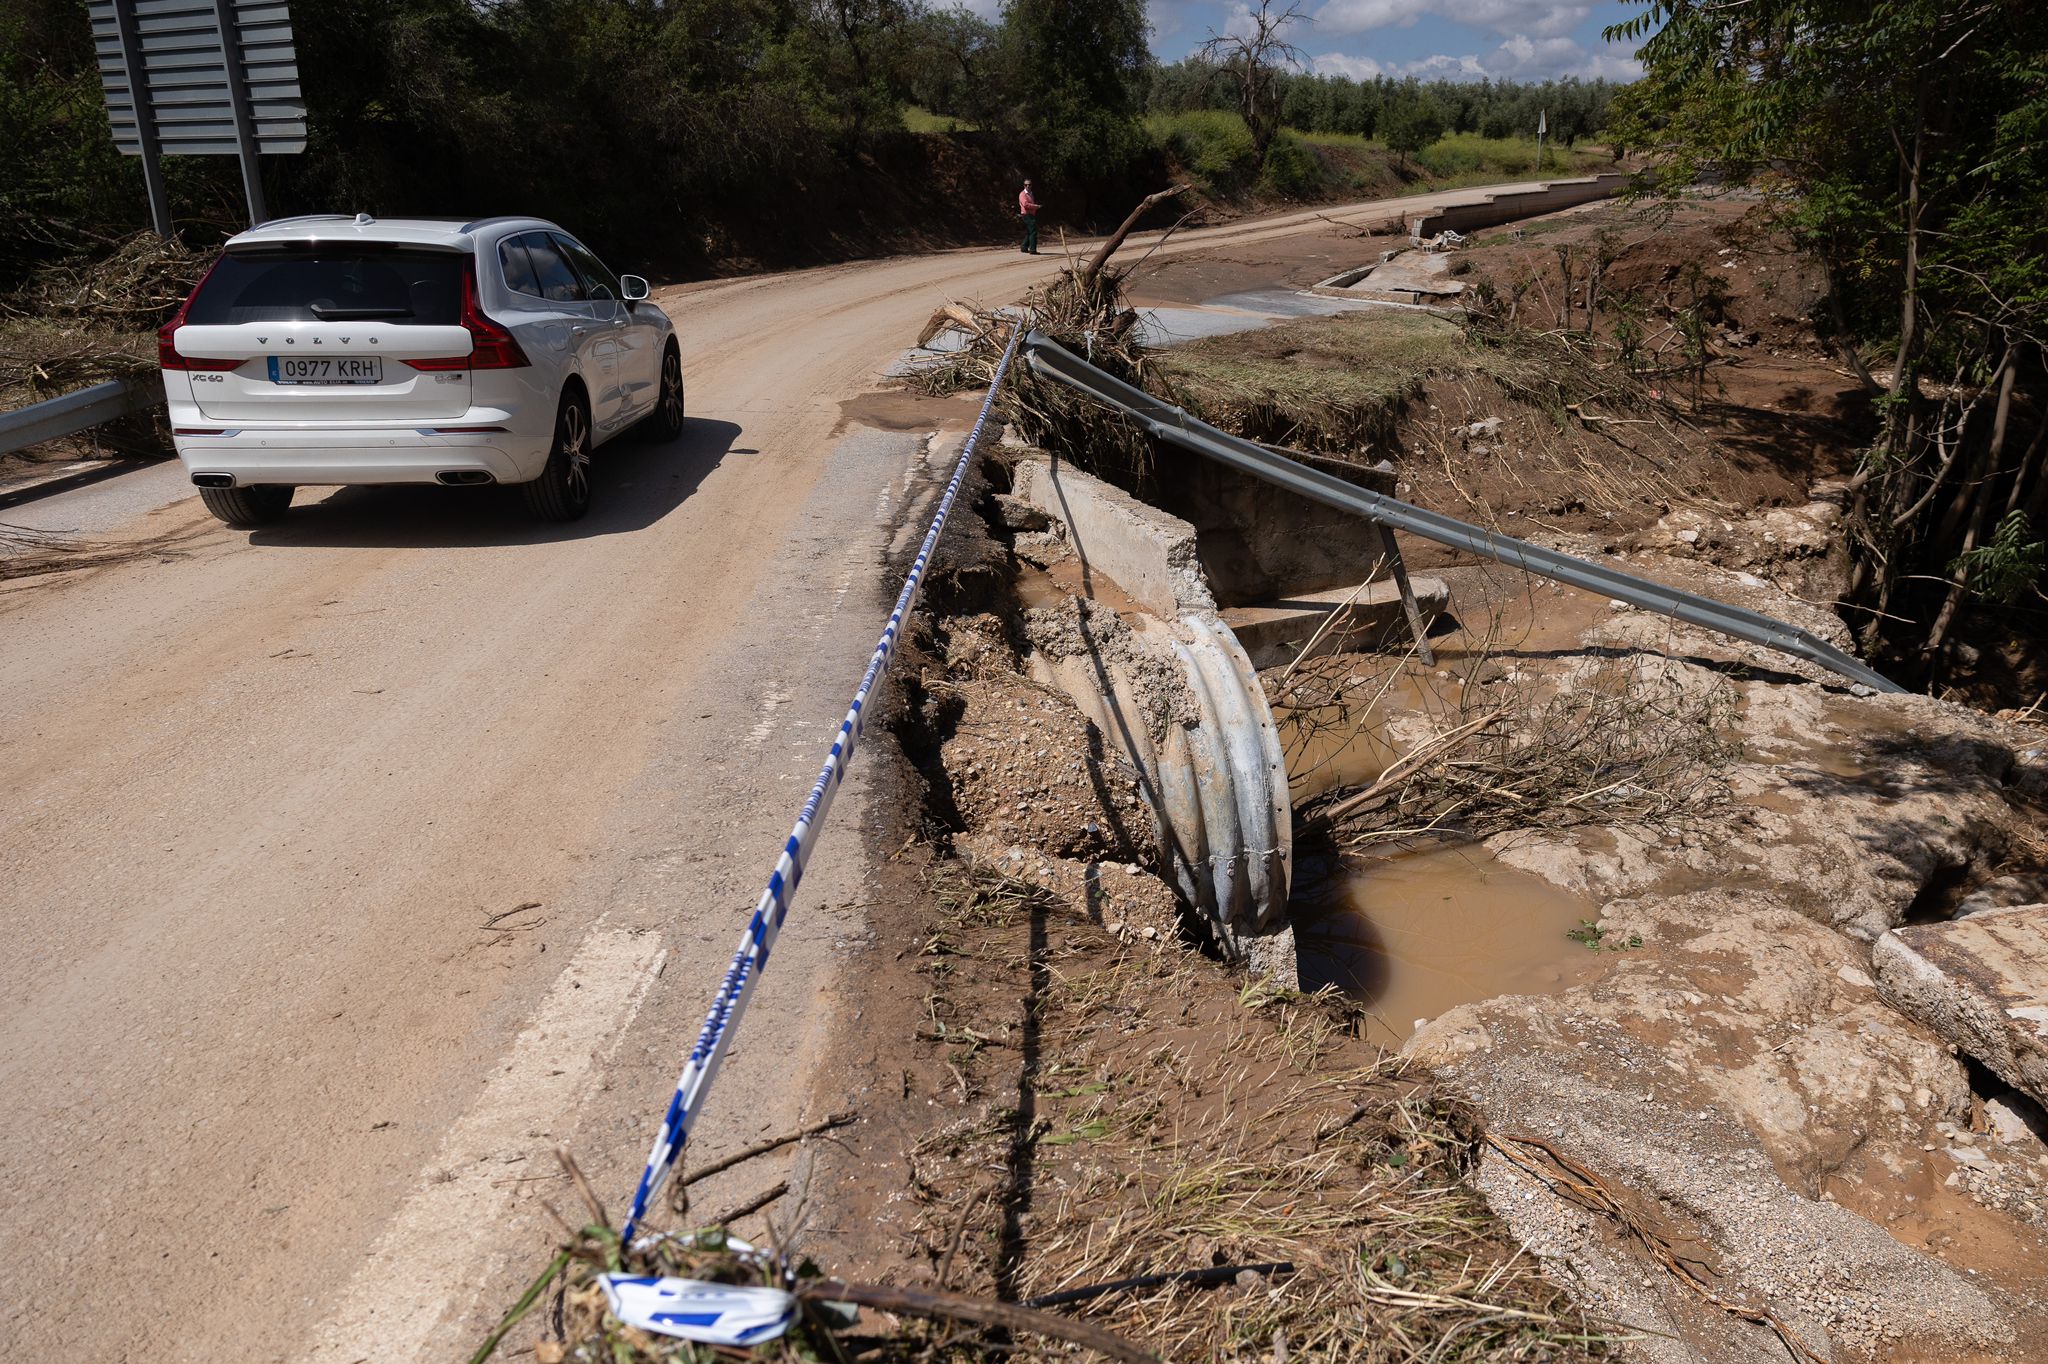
point(60, 416)
point(1046, 357)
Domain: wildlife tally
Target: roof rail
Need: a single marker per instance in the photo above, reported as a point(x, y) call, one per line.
point(499, 218)
point(308, 218)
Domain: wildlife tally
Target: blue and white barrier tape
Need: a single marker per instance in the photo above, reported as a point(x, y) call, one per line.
point(766, 924)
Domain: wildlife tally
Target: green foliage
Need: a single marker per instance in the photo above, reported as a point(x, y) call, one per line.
point(1315, 103)
point(1902, 143)
point(1591, 936)
point(1215, 147)
point(1410, 121)
point(58, 166)
point(1081, 65)
point(2006, 568)
point(1292, 169)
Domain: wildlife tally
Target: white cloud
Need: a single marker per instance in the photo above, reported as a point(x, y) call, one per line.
point(1541, 18)
point(1521, 57)
point(1443, 66)
point(1344, 64)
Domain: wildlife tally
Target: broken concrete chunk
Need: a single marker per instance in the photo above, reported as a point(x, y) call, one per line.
point(1981, 984)
point(1275, 633)
point(1017, 514)
point(1143, 550)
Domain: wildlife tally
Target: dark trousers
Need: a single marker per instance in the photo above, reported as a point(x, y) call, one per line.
point(1030, 232)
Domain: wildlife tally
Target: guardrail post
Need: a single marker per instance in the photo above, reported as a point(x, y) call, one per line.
point(145, 118)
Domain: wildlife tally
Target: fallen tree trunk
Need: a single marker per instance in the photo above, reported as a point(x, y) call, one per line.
point(1094, 264)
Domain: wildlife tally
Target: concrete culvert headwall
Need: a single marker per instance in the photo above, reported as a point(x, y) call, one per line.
point(1512, 204)
point(1177, 692)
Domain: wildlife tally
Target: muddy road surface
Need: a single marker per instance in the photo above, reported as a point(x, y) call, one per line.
point(349, 865)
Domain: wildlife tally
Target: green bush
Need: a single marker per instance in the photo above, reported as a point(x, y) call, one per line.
point(1293, 170)
point(1216, 147)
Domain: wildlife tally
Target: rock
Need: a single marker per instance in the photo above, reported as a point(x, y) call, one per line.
point(2003, 893)
point(2017, 1121)
point(1108, 892)
point(1722, 1088)
point(1981, 983)
point(1017, 514)
point(1850, 851)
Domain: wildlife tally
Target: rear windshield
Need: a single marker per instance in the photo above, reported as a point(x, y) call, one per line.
point(333, 284)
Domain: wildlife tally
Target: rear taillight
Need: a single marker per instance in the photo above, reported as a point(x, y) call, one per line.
point(167, 356)
point(490, 345)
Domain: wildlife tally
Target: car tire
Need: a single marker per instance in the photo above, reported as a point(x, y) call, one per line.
point(665, 422)
point(562, 492)
point(246, 507)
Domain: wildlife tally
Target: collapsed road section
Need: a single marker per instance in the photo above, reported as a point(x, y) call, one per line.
point(1049, 358)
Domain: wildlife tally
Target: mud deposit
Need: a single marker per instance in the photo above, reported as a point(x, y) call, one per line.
point(1412, 936)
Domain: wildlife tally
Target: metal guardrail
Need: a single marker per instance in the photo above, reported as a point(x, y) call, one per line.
point(61, 416)
point(1048, 358)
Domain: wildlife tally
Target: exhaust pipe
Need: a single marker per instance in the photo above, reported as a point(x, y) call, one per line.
point(213, 480)
point(456, 478)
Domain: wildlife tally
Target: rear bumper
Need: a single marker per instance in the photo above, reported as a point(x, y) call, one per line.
point(386, 455)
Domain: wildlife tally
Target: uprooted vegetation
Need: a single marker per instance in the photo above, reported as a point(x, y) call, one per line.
point(79, 324)
point(1621, 739)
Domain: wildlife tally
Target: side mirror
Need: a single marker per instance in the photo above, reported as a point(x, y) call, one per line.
point(633, 287)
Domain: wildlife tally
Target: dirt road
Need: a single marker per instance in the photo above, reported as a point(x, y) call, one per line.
point(350, 864)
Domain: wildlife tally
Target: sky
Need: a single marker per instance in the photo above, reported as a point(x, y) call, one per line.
point(1458, 39)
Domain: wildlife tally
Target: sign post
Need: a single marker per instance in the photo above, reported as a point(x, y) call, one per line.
point(200, 78)
point(146, 145)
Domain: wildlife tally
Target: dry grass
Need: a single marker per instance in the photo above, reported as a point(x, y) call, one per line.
point(33, 554)
point(1627, 738)
point(134, 287)
point(1125, 1113)
point(81, 324)
point(1086, 314)
point(1131, 1113)
point(41, 359)
point(1336, 384)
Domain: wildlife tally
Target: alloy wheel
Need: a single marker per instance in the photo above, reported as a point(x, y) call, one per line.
point(672, 391)
point(576, 445)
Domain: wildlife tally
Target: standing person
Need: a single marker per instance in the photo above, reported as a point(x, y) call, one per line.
point(1027, 208)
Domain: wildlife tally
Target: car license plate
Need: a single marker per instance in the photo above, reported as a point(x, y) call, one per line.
point(332, 369)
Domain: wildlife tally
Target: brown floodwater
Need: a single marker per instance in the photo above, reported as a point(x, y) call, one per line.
point(1068, 578)
point(1418, 933)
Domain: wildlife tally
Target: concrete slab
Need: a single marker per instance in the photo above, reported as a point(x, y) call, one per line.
point(1404, 277)
point(1980, 983)
point(1274, 633)
point(1151, 555)
point(1166, 325)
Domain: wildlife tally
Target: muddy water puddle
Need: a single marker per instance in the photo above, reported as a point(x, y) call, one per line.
point(1069, 578)
point(1413, 935)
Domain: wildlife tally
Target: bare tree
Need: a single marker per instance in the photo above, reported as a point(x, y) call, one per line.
point(1254, 59)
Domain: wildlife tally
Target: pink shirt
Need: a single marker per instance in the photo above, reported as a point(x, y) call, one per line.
point(1026, 205)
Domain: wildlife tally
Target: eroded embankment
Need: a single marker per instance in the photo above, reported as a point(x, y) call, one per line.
point(1106, 1101)
point(1650, 978)
point(1611, 884)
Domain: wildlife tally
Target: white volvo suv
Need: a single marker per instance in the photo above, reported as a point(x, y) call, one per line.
point(338, 350)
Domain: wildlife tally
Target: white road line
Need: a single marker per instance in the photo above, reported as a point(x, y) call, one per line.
point(427, 1258)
